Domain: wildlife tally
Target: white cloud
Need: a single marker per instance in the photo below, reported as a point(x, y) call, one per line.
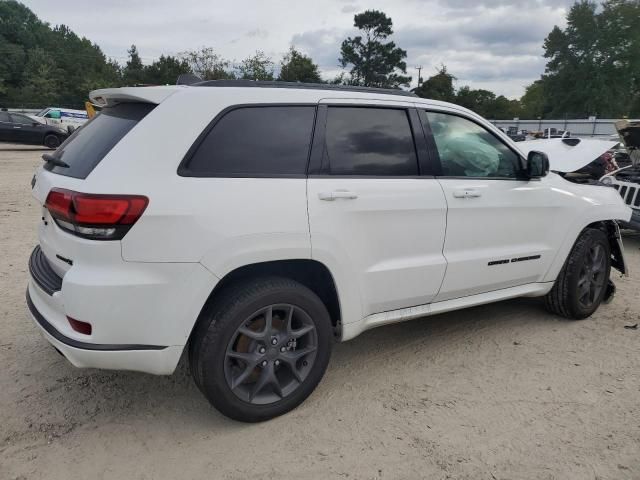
point(493, 44)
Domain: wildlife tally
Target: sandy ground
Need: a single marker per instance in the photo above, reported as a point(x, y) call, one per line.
point(503, 391)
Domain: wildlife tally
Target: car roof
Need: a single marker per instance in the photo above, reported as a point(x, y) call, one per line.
point(249, 91)
point(303, 86)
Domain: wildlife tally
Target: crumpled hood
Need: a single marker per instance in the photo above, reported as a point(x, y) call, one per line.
point(568, 154)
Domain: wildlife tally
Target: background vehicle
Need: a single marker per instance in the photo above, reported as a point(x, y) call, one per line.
point(627, 182)
point(19, 128)
point(65, 118)
point(276, 217)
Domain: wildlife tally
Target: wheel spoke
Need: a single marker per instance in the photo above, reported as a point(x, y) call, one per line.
point(584, 290)
point(245, 357)
point(252, 334)
point(291, 365)
point(296, 355)
point(268, 321)
point(289, 320)
point(301, 331)
point(267, 377)
point(237, 381)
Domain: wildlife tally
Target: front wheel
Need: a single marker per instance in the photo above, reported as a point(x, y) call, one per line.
point(582, 283)
point(261, 348)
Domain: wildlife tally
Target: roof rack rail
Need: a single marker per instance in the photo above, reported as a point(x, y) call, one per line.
point(301, 85)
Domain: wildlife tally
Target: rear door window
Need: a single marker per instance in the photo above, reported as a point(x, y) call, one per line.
point(368, 141)
point(88, 145)
point(255, 141)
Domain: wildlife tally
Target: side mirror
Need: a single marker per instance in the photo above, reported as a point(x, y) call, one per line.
point(537, 164)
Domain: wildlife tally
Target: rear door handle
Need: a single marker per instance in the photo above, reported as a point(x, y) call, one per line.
point(336, 194)
point(467, 193)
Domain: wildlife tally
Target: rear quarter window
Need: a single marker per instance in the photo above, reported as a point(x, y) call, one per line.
point(259, 141)
point(88, 145)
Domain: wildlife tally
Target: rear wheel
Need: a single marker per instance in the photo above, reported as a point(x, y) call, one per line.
point(582, 283)
point(261, 348)
point(52, 141)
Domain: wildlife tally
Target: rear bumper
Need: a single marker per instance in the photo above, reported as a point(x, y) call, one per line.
point(159, 360)
point(141, 313)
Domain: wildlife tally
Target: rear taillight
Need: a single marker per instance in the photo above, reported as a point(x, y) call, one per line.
point(97, 217)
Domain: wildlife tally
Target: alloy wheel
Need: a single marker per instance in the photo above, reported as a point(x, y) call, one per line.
point(270, 354)
point(592, 280)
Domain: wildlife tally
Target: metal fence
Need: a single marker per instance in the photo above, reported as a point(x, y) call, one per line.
point(590, 127)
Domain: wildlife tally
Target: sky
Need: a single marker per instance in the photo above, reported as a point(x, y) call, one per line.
point(491, 44)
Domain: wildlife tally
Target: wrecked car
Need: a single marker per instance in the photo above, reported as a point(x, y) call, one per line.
point(579, 160)
point(627, 179)
point(599, 162)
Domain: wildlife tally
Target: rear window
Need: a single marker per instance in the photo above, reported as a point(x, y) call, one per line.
point(255, 141)
point(88, 145)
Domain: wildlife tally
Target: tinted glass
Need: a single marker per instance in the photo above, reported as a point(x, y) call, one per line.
point(21, 119)
point(256, 141)
point(88, 145)
point(468, 150)
point(369, 141)
point(4, 117)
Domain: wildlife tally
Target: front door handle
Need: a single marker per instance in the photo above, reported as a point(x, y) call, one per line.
point(467, 193)
point(336, 194)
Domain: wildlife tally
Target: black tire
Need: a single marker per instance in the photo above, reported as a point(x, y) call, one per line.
point(570, 296)
point(226, 319)
point(52, 141)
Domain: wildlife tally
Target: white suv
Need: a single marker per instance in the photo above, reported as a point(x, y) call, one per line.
point(271, 219)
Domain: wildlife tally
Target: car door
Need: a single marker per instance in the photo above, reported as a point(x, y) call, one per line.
point(6, 127)
point(26, 130)
point(374, 220)
point(502, 229)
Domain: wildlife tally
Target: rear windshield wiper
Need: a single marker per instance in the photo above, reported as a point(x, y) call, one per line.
point(47, 157)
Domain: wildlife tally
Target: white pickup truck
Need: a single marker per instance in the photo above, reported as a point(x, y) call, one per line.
point(65, 118)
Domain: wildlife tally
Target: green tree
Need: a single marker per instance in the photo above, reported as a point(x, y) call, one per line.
point(374, 62)
point(256, 67)
point(594, 63)
point(207, 64)
point(502, 109)
point(133, 72)
point(165, 70)
point(40, 63)
point(40, 78)
point(438, 86)
point(477, 100)
point(297, 67)
point(533, 101)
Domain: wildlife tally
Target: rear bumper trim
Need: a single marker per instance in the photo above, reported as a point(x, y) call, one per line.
point(103, 347)
point(42, 273)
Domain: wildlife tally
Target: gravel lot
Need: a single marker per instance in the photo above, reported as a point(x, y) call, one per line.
point(502, 391)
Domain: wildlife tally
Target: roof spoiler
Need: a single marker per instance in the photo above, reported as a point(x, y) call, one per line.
point(188, 79)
